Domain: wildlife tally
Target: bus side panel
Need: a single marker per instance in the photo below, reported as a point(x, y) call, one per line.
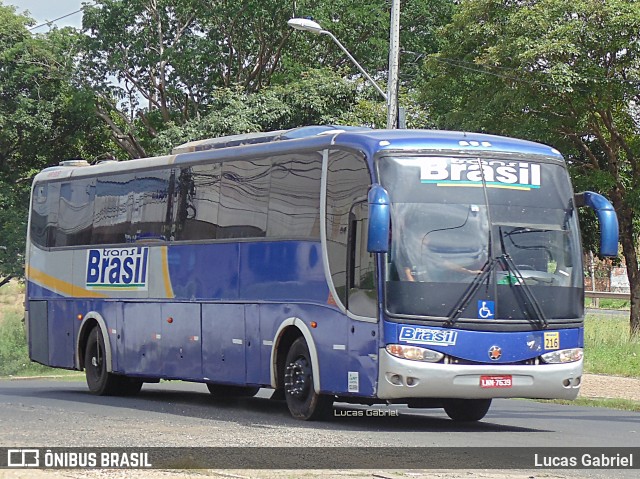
point(39, 331)
point(49, 273)
point(181, 340)
point(142, 333)
point(223, 343)
point(61, 319)
point(282, 271)
point(204, 271)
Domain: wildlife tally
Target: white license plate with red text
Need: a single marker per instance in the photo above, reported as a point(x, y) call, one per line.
point(496, 381)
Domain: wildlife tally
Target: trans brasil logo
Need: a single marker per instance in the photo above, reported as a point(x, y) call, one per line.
point(118, 268)
point(514, 175)
point(434, 337)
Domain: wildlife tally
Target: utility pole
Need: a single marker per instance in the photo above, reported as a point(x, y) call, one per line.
point(394, 54)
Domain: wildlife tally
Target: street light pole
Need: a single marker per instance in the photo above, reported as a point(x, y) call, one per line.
point(313, 27)
point(394, 53)
point(371, 80)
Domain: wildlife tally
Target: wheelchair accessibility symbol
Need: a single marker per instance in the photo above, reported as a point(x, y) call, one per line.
point(486, 309)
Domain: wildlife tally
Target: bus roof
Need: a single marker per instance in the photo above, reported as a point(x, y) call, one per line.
point(369, 141)
point(373, 142)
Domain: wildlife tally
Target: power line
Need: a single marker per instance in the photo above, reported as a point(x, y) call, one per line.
point(59, 18)
point(485, 69)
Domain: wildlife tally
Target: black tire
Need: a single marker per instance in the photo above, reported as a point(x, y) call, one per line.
point(100, 381)
point(226, 390)
point(128, 386)
point(467, 410)
point(302, 399)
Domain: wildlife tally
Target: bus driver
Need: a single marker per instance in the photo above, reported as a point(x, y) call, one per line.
point(431, 260)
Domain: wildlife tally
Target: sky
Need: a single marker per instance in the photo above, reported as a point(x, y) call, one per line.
point(46, 10)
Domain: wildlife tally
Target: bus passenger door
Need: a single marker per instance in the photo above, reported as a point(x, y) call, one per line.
point(362, 304)
point(181, 340)
point(223, 343)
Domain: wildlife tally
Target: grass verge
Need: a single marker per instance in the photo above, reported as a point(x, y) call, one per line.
point(620, 404)
point(14, 355)
point(608, 349)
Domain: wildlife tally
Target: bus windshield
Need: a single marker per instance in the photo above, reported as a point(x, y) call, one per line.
point(453, 218)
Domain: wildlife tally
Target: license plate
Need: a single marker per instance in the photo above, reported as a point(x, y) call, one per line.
point(496, 381)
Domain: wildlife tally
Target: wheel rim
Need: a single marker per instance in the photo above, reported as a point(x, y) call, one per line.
point(97, 361)
point(297, 379)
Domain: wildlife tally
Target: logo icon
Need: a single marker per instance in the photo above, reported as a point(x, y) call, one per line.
point(495, 353)
point(534, 343)
point(495, 174)
point(435, 337)
point(486, 309)
point(121, 269)
point(23, 458)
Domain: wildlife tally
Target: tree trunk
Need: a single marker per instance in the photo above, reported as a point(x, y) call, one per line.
point(634, 321)
point(625, 219)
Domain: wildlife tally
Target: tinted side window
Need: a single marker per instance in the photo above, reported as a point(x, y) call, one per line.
point(347, 183)
point(294, 200)
point(244, 201)
point(198, 201)
point(112, 209)
point(44, 213)
point(75, 217)
point(150, 206)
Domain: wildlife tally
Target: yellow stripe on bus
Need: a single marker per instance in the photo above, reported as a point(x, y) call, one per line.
point(168, 289)
point(58, 286)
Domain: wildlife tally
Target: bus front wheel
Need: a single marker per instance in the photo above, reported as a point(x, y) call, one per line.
point(467, 410)
point(302, 399)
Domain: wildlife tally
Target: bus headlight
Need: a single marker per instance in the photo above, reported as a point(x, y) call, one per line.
point(563, 356)
point(414, 353)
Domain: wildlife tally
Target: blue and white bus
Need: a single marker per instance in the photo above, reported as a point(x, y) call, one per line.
point(428, 268)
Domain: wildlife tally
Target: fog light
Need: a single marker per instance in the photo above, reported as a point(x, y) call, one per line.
point(412, 381)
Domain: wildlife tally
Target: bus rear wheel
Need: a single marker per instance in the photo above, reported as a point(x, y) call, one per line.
point(467, 410)
point(226, 390)
point(302, 399)
point(99, 380)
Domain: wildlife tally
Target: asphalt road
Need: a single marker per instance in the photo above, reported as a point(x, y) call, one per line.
point(56, 413)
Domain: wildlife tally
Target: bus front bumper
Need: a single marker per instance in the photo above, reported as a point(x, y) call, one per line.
point(403, 378)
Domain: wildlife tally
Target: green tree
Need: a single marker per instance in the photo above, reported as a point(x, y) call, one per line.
point(318, 97)
point(158, 64)
point(44, 118)
point(564, 73)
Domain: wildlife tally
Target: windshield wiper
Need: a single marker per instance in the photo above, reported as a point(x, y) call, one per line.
point(532, 306)
point(470, 291)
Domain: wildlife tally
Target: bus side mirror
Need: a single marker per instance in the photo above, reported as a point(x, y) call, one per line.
point(379, 220)
point(606, 217)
